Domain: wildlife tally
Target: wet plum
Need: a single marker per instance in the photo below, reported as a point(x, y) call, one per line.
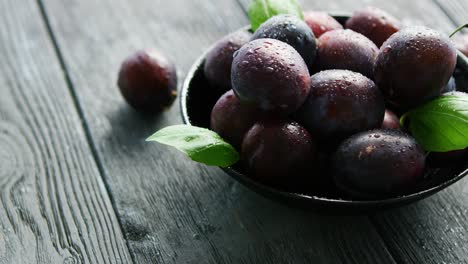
point(374, 23)
point(391, 120)
point(231, 119)
point(278, 152)
point(341, 103)
point(292, 30)
point(148, 81)
point(378, 163)
point(346, 49)
point(414, 65)
point(217, 67)
point(270, 74)
point(320, 22)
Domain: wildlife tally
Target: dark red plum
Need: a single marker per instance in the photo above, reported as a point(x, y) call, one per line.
point(278, 152)
point(374, 23)
point(320, 22)
point(340, 104)
point(391, 120)
point(290, 29)
point(148, 81)
point(348, 50)
point(272, 75)
point(217, 67)
point(414, 65)
point(378, 163)
point(231, 119)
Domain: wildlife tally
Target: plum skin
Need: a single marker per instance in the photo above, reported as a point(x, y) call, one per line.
point(413, 66)
point(391, 120)
point(231, 119)
point(218, 61)
point(278, 152)
point(347, 50)
point(374, 23)
point(293, 31)
point(148, 81)
point(270, 74)
point(320, 22)
point(378, 163)
point(340, 104)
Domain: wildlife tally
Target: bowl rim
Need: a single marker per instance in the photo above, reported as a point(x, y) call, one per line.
point(244, 179)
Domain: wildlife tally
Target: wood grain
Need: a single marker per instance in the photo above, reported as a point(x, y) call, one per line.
point(171, 209)
point(53, 204)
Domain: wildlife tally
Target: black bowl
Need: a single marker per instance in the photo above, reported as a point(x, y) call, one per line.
point(197, 100)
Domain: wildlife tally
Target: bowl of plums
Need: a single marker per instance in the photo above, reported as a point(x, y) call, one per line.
point(329, 111)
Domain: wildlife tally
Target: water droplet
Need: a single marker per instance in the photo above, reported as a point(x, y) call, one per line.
point(269, 69)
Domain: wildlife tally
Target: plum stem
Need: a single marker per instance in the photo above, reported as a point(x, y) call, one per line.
point(458, 29)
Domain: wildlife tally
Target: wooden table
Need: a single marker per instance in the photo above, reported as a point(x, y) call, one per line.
point(78, 184)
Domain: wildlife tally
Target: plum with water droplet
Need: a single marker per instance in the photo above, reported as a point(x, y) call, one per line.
point(341, 103)
point(348, 50)
point(320, 22)
point(290, 29)
point(390, 121)
point(148, 81)
point(414, 65)
point(217, 66)
point(378, 163)
point(278, 152)
point(231, 119)
point(270, 74)
point(374, 23)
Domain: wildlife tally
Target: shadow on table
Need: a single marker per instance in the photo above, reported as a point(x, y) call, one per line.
point(129, 128)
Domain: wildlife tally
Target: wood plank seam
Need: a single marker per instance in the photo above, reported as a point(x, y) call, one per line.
point(80, 112)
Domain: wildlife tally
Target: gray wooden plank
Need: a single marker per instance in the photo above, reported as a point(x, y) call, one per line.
point(53, 204)
point(171, 209)
point(433, 230)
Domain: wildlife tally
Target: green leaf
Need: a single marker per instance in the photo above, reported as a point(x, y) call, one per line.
point(261, 10)
point(440, 125)
point(200, 144)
